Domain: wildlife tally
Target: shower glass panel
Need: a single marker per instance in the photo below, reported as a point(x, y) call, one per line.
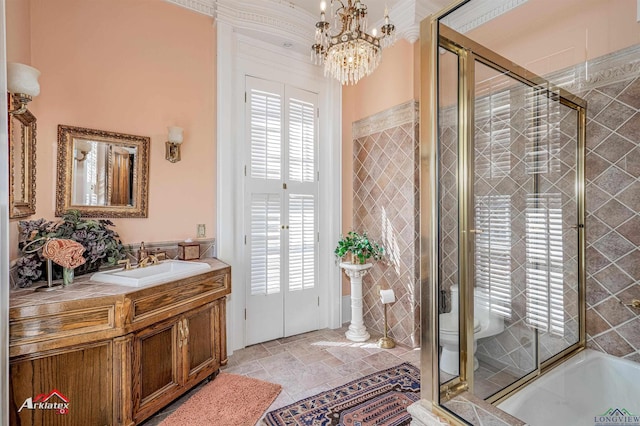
point(510, 159)
point(552, 244)
point(506, 123)
point(525, 236)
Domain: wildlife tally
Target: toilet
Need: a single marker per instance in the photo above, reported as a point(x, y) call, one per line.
point(485, 324)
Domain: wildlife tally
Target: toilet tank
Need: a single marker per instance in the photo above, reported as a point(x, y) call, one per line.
point(492, 320)
point(481, 307)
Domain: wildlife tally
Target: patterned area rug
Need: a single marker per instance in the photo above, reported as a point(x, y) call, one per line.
point(379, 399)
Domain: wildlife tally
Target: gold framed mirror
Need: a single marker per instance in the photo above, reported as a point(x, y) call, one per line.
point(22, 165)
point(102, 174)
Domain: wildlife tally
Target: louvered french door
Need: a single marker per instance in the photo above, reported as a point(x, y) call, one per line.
point(282, 213)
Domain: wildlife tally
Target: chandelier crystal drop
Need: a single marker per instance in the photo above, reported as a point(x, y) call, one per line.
point(347, 51)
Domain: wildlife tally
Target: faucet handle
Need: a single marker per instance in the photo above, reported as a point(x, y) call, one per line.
point(635, 303)
point(126, 262)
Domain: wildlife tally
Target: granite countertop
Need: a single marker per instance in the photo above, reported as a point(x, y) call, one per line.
point(82, 288)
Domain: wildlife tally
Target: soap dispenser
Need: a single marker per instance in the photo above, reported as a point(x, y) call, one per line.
point(142, 252)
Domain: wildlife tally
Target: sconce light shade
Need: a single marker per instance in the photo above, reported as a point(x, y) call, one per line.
point(82, 149)
point(22, 83)
point(175, 135)
point(172, 146)
point(23, 79)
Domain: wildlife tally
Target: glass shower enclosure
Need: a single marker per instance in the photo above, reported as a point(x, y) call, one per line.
point(509, 243)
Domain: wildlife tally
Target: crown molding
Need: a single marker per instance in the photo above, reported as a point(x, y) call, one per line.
point(205, 7)
point(476, 13)
point(406, 15)
point(405, 20)
point(272, 17)
point(284, 19)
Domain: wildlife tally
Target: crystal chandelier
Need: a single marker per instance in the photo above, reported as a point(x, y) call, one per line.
point(350, 53)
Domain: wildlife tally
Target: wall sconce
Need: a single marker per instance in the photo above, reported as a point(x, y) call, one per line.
point(82, 149)
point(22, 83)
point(173, 144)
point(79, 158)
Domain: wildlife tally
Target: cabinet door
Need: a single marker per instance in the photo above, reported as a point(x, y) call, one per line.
point(156, 373)
point(199, 350)
point(64, 387)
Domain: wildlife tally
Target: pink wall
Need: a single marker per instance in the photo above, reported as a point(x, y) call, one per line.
point(548, 35)
point(130, 67)
point(19, 31)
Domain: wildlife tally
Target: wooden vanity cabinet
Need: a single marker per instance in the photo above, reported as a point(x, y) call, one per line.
point(118, 359)
point(171, 357)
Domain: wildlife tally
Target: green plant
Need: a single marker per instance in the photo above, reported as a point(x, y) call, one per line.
point(360, 246)
point(102, 244)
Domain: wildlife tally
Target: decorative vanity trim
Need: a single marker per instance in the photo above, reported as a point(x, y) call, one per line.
point(62, 324)
point(179, 298)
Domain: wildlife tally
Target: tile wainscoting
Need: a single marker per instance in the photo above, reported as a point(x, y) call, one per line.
point(385, 206)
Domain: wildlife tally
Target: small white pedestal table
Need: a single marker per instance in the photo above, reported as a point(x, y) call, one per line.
point(357, 332)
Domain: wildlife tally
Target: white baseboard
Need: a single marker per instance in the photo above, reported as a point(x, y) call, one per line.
point(346, 309)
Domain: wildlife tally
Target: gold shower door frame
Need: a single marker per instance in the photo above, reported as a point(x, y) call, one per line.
point(434, 36)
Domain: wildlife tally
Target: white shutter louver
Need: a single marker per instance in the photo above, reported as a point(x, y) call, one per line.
point(91, 197)
point(302, 242)
point(265, 244)
point(265, 134)
point(493, 250)
point(544, 271)
point(301, 141)
point(493, 135)
point(542, 131)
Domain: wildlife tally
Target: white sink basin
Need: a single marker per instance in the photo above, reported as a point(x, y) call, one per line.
point(165, 271)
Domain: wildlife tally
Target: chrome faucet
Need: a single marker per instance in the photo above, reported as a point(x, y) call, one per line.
point(145, 261)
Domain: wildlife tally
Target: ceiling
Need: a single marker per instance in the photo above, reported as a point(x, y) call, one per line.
point(291, 23)
point(405, 14)
point(374, 7)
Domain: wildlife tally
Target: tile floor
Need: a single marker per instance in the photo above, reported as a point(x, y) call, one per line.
point(307, 364)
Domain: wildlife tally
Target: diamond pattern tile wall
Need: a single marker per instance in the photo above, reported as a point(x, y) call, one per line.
point(613, 217)
point(385, 206)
